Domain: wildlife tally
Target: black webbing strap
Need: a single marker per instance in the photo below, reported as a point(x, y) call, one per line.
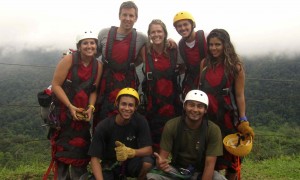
point(111, 37)
point(202, 140)
point(202, 53)
point(218, 92)
point(156, 74)
point(75, 79)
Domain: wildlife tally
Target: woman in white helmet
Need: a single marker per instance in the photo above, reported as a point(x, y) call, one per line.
point(74, 84)
point(193, 141)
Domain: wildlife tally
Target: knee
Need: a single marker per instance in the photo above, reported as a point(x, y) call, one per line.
point(147, 166)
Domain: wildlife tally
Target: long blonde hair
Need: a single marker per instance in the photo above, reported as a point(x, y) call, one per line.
point(150, 44)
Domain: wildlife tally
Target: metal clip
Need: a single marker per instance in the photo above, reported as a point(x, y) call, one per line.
point(225, 91)
point(149, 76)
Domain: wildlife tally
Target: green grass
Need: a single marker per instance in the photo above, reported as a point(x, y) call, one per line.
point(25, 172)
point(283, 168)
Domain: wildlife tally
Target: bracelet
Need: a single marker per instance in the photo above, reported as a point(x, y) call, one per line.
point(92, 106)
point(243, 119)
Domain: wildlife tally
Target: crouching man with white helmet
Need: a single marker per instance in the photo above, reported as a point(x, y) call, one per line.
point(193, 141)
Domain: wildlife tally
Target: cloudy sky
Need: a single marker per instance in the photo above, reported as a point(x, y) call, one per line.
point(256, 26)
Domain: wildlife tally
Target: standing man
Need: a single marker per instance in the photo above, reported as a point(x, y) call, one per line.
point(192, 48)
point(122, 142)
point(119, 48)
point(193, 141)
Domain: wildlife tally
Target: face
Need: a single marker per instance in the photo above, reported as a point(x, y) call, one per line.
point(88, 47)
point(184, 27)
point(127, 106)
point(127, 18)
point(194, 110)
point(157, 34)
point(216, 47)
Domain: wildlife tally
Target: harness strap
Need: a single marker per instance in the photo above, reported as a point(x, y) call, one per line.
point(218, 92)
point(53, 164)
point(129, 65)
point(110, 42)
point(202, 53)
point(155, 75)
point(235, 109)
point(202, 141)
point(191, 73)
point(75, 79)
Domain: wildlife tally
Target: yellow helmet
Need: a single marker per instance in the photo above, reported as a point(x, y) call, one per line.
point(183, 15)
point(128, 91)
point(237, 144)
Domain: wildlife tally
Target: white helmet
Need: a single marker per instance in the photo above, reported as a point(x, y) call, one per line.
point(196, 95)
point(86, 35)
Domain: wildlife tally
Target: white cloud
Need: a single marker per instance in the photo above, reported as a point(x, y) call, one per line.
point(255, 26)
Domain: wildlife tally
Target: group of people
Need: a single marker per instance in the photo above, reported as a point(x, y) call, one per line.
point(179, 133)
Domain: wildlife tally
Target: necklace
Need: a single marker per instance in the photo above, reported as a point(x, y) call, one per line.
point(155, 56)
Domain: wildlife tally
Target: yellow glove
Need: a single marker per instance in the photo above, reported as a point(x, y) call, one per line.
point(123, 152)
point(245, 129)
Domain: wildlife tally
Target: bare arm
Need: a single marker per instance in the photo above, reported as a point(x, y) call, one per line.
point(239, 88)
point(145, 151)
point(209, 167)
point(141, 56)
point(96, 168)
point(162, 161)
point(60, 75)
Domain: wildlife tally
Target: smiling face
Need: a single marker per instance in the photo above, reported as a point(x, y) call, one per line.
point(127, 18)
point(126, 107)
point(88, 47)
point(194, 110)
point(157, 34)
point(216, 47)
point(184, 27)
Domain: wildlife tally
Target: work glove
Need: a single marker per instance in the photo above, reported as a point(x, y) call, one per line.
point(245, 129)
point(123, 152)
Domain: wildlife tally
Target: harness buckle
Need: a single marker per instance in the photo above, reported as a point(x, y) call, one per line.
point(132, 66)
point(149, 76)
point(225, 91)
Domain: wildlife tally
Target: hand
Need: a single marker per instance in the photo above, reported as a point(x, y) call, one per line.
point(172, 43)
point(162, 164)
point(82, 115)
point(89, 114)
point(123, 152)
point(245, 129)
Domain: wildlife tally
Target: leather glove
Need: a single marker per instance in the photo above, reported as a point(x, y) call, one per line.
point(123, 152)
point(245, 129)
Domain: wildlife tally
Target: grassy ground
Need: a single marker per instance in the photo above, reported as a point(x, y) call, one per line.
point(283, 168)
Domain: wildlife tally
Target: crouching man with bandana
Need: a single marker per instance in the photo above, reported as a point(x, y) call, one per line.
point(193, 141)
point(122, 142)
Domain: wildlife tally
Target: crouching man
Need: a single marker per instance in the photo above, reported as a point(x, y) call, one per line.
point(122, 142)
point(193, 141)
